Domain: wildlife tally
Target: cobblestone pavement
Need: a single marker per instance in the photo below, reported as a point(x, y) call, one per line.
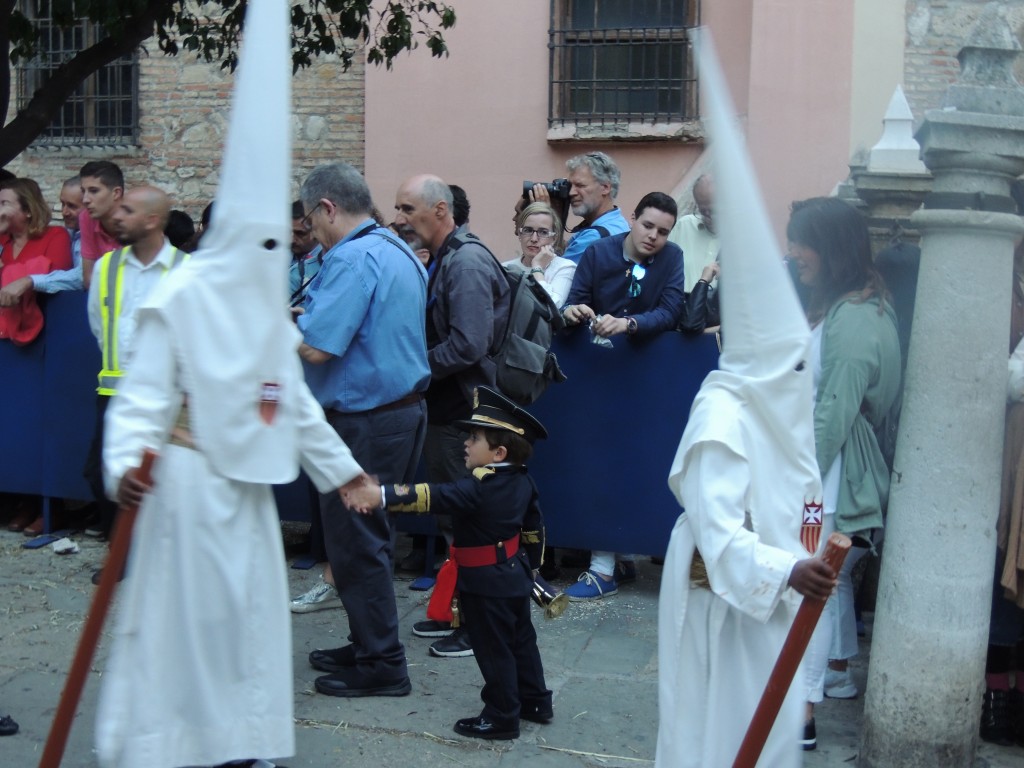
point(600, 659)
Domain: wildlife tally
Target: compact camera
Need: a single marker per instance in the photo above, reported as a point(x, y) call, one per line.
point(558, 189)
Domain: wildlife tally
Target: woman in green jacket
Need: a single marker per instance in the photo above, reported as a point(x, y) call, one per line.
point(857, 366)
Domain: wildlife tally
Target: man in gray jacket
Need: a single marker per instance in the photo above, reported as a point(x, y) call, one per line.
point(467, 310)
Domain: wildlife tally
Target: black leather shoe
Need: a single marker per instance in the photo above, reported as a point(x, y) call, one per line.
point(97, 575)
point(537, 712)
point(995, 718)
point(482, 728)
point(351, 683)
point(7, 726)
point(333, 659)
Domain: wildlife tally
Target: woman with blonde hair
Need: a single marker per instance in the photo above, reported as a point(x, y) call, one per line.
point(541, 237)
point(25, 231)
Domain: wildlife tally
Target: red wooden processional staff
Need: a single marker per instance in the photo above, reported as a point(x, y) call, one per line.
point(118, 555)
point(789, 660)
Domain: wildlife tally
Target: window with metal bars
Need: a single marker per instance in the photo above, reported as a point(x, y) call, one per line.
point(103, 110)
point(615, 61)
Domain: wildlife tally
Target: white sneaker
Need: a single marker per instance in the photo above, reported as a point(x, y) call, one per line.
point(839, 685)
point(320, 596)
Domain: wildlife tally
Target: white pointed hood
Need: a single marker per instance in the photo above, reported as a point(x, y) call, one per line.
point(765, 363)
point(228, 304)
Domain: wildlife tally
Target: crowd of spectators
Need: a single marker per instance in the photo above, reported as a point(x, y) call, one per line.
point(399, 384)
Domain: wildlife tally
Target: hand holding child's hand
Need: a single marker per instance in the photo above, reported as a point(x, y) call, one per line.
point(361, 494)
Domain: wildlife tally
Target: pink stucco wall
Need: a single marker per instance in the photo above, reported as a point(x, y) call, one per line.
point(479, 117)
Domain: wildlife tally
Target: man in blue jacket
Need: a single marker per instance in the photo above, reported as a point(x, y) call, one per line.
point(627, 284)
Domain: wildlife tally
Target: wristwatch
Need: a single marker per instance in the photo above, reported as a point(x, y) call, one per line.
point(630, 325)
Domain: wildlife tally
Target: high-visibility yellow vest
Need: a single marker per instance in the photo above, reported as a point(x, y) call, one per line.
point(109, 272)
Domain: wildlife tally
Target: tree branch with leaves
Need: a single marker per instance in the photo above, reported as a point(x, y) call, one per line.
point(209, 30)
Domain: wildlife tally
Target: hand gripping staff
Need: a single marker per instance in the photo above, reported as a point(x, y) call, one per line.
point(112, 569)
point(789, 660)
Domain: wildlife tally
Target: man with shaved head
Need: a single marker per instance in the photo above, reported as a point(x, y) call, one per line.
point(467, 310)
point(123, 279)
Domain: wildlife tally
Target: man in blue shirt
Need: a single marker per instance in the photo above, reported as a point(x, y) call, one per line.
point(365, 358)
point(594, 177)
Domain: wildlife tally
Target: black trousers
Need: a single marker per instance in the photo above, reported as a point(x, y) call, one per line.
point(505, 647)
point(387, 444)
point(93, 470)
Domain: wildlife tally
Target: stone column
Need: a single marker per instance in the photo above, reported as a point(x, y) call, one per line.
point(923, 698)
point(894, 181)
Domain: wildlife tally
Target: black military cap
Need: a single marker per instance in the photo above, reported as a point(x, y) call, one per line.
point(492, 410)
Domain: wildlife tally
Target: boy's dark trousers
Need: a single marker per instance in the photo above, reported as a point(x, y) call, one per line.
point(505, 647)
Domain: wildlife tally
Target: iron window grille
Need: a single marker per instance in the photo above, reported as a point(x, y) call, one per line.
point(615, 61)
point(103, 110)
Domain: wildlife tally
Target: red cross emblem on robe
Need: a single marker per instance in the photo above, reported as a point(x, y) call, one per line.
point(810, 531)
point(270, 396)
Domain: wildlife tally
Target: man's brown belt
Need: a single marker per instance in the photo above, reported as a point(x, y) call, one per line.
point(401, 402)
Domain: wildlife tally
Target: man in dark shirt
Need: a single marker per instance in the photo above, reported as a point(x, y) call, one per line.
point(467, 310)
point(627, 284)
point(631, 283)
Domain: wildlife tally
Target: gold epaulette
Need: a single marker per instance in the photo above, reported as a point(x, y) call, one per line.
point(531, 537)
point(481, 472)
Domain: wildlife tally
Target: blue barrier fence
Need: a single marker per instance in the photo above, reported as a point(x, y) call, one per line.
point(614, 427)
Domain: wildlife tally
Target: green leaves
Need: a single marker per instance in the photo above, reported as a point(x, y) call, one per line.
point(212, 30)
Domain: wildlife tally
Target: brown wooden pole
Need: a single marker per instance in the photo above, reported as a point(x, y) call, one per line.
point(112, 570)
point(789, 660)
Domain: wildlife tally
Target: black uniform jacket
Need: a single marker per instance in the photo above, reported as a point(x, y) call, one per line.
point(495, 504)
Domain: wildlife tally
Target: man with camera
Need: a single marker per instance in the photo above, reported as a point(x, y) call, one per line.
point(591, 188)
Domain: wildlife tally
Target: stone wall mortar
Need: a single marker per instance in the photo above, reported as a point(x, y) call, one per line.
point(936, 30)
point(183, 113)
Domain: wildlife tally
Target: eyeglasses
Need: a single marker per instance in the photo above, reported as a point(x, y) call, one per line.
point(636, 274)
point(307, 220)
point(527, 233)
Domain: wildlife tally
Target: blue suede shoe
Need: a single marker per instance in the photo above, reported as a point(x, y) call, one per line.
point(590, 586)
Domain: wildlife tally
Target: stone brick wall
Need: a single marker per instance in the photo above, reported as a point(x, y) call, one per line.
point(183, 110)
point(936, 30)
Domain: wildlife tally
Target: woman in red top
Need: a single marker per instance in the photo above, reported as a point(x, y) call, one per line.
point(25, 231)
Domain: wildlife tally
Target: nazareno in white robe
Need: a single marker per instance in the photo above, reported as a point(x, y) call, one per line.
point(200, 669)
point(716, 648)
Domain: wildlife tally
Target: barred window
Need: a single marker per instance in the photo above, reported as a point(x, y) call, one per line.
point(622, 61)
point(104, 109)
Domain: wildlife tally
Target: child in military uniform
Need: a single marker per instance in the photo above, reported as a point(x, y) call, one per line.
point(495, 565)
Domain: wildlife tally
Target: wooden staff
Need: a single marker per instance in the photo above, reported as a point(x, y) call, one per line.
point(112, 570)
point(789, 660)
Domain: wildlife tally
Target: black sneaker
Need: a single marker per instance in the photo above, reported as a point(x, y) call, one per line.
point(810, 739)
point(431, 628)
point(456, 644)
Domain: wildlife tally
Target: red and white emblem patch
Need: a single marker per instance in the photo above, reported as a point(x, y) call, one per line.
point(270, 396)
point(810, 531)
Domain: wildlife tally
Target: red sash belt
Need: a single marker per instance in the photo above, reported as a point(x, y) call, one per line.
point(489, 554)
